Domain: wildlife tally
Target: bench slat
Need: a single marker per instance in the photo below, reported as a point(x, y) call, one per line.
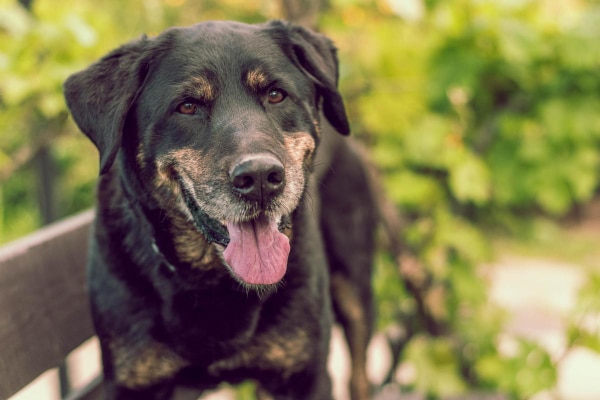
point(43, 303)
point(93, 391)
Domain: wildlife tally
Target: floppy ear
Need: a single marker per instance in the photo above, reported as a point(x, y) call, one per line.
point(316, 56)
point(100, 96)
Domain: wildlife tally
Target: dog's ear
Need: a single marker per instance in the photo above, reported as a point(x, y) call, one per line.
point(100, 97)
point(316, 56)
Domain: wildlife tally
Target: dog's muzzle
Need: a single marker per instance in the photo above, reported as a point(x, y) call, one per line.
point(257, 250)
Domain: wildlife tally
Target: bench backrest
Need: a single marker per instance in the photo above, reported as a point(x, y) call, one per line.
point(43, 303)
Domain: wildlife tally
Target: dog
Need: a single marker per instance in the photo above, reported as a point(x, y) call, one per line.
point(235, 221)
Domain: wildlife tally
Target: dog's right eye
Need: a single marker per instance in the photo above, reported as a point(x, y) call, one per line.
point(276, 96)
point(187, 108)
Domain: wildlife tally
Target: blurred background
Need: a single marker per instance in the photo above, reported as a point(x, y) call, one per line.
point(482, 116)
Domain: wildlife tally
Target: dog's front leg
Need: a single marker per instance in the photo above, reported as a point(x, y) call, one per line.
point(143, 370)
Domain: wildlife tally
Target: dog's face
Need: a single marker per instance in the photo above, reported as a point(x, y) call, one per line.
point(219, 121)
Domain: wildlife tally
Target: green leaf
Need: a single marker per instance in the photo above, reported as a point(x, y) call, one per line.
point(470, 180)
point(14, 20)
point(414, 191)
point(435, 358)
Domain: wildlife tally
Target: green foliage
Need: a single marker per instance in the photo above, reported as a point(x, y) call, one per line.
point(584, 328)
point(479, 113)
point(529, 101)
point(525, 371)
point(433, 357)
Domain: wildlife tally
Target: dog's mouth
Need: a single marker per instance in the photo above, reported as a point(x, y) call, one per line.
point(256, 251)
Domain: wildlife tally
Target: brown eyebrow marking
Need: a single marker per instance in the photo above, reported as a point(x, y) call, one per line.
point(202, 88)
point(256, 79)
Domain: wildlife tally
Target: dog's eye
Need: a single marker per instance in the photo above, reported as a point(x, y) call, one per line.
point(187, 107)
point(276, 96)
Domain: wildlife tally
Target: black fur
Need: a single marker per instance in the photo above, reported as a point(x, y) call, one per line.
point(167, 308)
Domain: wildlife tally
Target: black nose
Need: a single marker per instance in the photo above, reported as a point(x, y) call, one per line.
point(259, 178)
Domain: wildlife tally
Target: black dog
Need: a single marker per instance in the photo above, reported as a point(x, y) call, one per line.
point(220, 228)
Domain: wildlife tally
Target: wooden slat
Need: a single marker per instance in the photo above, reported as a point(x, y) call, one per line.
point(93, 391)
point(43, 304)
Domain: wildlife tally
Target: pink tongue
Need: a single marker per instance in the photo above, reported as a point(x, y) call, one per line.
point(257, 252)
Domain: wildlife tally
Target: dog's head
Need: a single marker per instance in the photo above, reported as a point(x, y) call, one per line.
point(219, 121)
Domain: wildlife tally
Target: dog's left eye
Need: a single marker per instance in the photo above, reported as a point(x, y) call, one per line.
point(276, 96)
point(187, 108)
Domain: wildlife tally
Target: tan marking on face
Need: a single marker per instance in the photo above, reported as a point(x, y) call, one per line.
point(139, 366)
point(190, 244)
point(256, 79)
point(289, 232)
point(164, 175)
point(192, 247)
point(140, 157)
point(178, 162)
point(187, 168)
point(299, 148)
point(204, 89)
point(317, 125)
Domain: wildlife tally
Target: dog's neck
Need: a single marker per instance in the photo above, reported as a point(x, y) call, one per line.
point(127, 187)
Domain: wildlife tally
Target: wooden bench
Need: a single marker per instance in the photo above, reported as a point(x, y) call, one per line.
point(43, 303)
